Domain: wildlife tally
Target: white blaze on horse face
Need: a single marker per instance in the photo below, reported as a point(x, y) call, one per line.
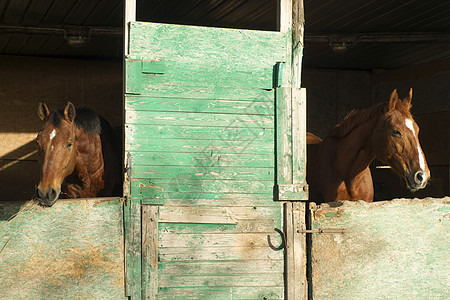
point(409, 123)
point(52, 134)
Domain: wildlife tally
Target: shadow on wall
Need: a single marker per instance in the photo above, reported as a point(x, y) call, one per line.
point(19, 173)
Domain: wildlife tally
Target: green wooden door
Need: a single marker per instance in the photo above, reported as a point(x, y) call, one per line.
point(390, 250)
point(200, 149)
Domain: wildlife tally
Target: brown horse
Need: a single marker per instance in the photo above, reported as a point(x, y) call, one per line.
point(338, 166)
point(78, 158)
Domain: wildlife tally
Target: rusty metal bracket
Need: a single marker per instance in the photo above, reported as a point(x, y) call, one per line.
point(335, 231)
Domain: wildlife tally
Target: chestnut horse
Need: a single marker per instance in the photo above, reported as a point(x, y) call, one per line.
point(338, 166)
point(78, 158)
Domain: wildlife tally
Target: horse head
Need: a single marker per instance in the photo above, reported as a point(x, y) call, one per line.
point(396, 142)
point(58, 153)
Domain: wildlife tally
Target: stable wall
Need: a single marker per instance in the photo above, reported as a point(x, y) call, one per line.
point(28, 80)
point(331, 94)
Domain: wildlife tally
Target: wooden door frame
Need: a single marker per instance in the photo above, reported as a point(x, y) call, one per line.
point(291, 152)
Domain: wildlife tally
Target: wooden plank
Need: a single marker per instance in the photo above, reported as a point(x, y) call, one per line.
point(291, 149)
point(239, 67)
point(219, 199)
point(129, 16)
point(284, 136)
point(222, 293)
point(201, 146)
point(133, 248)
point(233, 213)
point(243, 226)
point(206, 198)
point(217, 74)
point(216, 215)
point(202, 186)
point(218, 253)
point(151, 89)
point(140, 131)
point(198, 119)
point(203, 240)
point(150, 218)
point(201, 173)
point(255, 107)
point(233, 280)
point(72, 250)
point(198, 215)
point(391, 249)
point(226, 267)
point(299, 136)
point(298, 30)
point(295, 222)
point(203, 159)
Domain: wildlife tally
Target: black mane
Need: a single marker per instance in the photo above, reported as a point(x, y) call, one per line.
point(85, 118)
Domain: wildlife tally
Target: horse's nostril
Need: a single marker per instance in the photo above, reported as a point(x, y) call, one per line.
point(419, 177)
point(51, 194)
point(39, 194)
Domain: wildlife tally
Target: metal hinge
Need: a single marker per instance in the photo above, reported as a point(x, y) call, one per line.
point(128, 166)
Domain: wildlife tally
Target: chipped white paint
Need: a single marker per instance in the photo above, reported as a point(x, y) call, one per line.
point(53, 148)
point(52, 134)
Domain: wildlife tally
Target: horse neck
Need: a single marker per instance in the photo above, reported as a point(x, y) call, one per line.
point(354, 151)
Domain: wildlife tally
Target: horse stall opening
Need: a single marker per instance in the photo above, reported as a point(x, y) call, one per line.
point(355, 62)
point(74, 249)
point(356, 53)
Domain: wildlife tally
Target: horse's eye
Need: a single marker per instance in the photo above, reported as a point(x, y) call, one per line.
point(396, 133)
point(69, 144)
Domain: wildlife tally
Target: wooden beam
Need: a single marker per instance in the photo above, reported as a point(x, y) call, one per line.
point(291, 149)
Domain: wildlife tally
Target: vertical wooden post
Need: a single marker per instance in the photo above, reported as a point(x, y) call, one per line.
point(150, 216)
point(129, 16)
point(291, 153)
point(132, 209)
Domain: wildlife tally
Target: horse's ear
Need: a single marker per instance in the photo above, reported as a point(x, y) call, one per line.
point(408, 99)
point(43, 111)
point(70, 112)
point(393, 100)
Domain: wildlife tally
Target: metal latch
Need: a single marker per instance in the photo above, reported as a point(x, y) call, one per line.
point(338, 231)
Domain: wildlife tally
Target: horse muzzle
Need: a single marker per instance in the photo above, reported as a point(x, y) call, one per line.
point(47, 197)
point(416, 180)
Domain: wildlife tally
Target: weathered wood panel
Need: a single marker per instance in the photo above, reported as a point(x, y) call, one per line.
point(73, 250)
point(200, 131)
point(390, 250)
